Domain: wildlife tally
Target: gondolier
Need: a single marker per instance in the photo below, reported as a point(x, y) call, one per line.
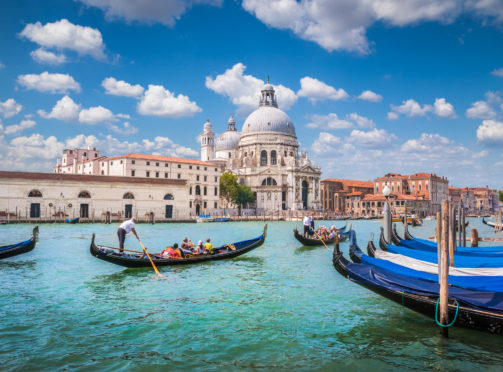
point(124, 229)
point(307, 225)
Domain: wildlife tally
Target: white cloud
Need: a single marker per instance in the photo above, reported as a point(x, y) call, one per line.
point(10, 108)
point(63, 34)
point(480, 110)
point(330, 121)
point(2, 65)
point(316, 90)
point(328, 144)
point(44, 56)
point(498, 72)
point(121, 88)
point(368, 95)
point(65, 109)
point(490, 133)
point(95, 115)
point(481, 154)
point(126, 129)
point(373, 139)
point(444, 109)
point(159, 101)
point(434, 147)
point(16, 128)
point(492, 9)
point(410, 108)
point(244, 90)
point(148, 11)
point(46, 82)
point(361, 121)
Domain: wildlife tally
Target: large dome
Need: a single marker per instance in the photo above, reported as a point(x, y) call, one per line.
point(228, 140)
point(268, 119)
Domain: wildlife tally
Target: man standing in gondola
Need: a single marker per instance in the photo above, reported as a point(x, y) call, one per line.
point(124, 229)
point(312, 230)
point(307, 224)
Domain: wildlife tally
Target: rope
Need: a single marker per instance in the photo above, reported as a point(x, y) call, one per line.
point(403, 298)
point(455, 316)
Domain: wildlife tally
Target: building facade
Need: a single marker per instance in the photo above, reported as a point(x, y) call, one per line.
point(265, 156)
point(335, 193)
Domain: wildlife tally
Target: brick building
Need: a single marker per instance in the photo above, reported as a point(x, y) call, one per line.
point(335, 193)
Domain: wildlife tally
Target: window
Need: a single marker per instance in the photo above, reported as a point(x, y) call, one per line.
point(205, 190)
point(166, 164)
point(215, 169)
point(179, 175)
point(197, 178)
point(157, 174)
point(205, 178)
point(269, 181)
point(263, 157)
point(273, 157)
point(128, 195)
point(190, 166)
point(291, 153)
point(215, 205)
point(132, 162)
point(111, 163)
point(198, 190)
point(205, 205)
point(197, 167)
point(190, 204)
point(190, 190)
point(147, 174)
point(35, 194)
point(216, 179)
point(165, 174)
point(85, 153)
point(216, 191)
point(102, 173)
point(95, 155)
point(84, 194)
point(230, 155)
point(168, 197)
point(205, 168)
point(156, 163)
point(179, 165)
point(121, 161)
point(285, 153)
point(148, 163)
point(132, 173)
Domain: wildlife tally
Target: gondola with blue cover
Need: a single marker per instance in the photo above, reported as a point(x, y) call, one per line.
point(225, 251)
point(19, 248)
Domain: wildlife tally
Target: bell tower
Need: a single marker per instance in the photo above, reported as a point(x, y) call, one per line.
point(207, 142)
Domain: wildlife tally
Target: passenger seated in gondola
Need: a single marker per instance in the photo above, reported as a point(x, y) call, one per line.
point(171, 252)
point(200, 248)
point(187, 246)
point(208, 247)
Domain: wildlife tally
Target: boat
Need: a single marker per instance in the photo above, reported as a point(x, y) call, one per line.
point(226, 251)
point(477, 310)
point(204, 218)
point(72, 220)
point(19, 248)
point(489, 223)
point(221, 219)
point(343, 235)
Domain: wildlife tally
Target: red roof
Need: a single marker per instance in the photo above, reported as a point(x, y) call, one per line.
point(351, 183)
point(356, 193)
point(162, 158)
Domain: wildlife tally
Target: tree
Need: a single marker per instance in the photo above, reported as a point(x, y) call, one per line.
point(501, 196)
point(244, 196)
point(234, 193)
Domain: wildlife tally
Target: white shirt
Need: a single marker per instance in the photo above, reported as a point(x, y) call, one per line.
point(307, 221)
point(127, 225)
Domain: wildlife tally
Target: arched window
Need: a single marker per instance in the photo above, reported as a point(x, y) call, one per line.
point(198, 190)
point(205, 190)
point(168, 197)
point(35, 194)
point(269, 181)
point(273, 157)
point(84, 194)
point(263, 157)
point(128, 195)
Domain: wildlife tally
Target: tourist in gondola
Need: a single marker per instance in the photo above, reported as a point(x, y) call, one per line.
point(208, 246)
point(200, 248)
point(171, 252)
point(126, 227)
point(307, 225)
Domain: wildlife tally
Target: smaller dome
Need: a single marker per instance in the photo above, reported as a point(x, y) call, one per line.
point(207, 126)
point(228, 140)
point(268, 87)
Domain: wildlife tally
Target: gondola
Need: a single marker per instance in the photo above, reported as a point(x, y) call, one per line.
point(477, 310)
point(19, 248)
point(343, 235)
point(134, 260)
point(488, 223)
point(72, 220)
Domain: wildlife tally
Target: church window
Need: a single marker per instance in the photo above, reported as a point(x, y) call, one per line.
point(285, 152)
point(230, 156)
point(263, 157)
point(205, 191)
point(190, 190)
point(215, 205)
point(128, 195)
point(35, 194)
point(216, 191)
point(246, 154)
point(269, 181)
point(84, 194)
point(205, 178)
point(205, 205)
point(273, 157)
point(168, 197)
point(198, 190)
point(291, 153)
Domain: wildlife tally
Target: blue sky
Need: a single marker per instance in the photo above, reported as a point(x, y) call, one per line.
point(372, 86)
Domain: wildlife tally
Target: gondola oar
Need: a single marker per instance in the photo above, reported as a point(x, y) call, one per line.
point(152, 262)
point(319, 237)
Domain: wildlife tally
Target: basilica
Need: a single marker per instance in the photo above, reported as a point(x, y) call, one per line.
point(265, 156)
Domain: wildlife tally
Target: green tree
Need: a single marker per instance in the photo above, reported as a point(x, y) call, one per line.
point(244, 196)
point(501, 196)
point(234, 193)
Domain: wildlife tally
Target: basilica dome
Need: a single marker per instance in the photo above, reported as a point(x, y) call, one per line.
point(268, 117)
point(229, 139)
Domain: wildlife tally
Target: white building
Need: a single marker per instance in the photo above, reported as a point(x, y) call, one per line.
point(265, 157)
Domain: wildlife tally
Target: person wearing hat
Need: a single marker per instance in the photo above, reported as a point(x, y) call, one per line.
point(125, 228)
point(200, 248)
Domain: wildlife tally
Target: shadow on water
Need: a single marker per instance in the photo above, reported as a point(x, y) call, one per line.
point(24, 265)
point(307, 248)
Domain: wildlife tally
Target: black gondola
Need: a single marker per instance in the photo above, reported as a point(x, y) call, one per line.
point(19, 248)
point(313, 241)
point(422, 296)
point(135, 260)
point(488, 223)
point(72, 220)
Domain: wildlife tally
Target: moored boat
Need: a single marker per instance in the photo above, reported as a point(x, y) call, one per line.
point(111, 254)
point(204, 218)
point(72, 220)
point(19, 248)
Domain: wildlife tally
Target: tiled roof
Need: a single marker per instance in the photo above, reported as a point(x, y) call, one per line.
point(356, 193)
point(162, 158)
point(351, 183)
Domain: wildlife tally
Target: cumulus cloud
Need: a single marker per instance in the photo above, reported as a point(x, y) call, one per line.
point(63, 35)
point(46, 82)
point(409, 108)
point(434, 147)
point(490, 133)
point(328, 144)
point(498, 72)
point(332, 121)
point(159, 101)
point(2, 65)
point(16, 128)
point(368, 95)
point(10, 108)
point(480, 110)
point(147, 11)
point(316, 90)
point(121, 88)
point(46, 57)
point(443, 109)
point(95, 115)
point(65, 109)
point(244, 90)
point(481, 154)
point(126, 129)
point(373, 139)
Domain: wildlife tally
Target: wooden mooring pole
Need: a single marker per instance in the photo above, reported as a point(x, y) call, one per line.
point(438, 236)
point(474, 237)
point(452, 233)
point(444, 280)
point(463, 236)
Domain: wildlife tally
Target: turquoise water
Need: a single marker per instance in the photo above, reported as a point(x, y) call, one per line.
point(279, 307)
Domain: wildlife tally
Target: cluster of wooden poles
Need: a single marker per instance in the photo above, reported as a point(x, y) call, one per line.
point(498, 222)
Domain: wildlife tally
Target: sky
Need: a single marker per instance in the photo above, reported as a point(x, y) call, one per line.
point(372, 86)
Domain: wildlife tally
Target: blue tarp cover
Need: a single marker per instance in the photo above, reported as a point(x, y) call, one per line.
point(426, 245)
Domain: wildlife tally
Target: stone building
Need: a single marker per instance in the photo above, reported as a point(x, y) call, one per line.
point(265, 156)
point(335, 193)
